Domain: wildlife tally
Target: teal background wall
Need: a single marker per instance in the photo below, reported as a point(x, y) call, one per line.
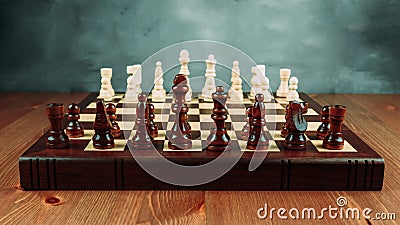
point(335, 46)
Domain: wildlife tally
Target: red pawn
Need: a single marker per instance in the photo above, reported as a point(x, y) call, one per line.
point(74, 127)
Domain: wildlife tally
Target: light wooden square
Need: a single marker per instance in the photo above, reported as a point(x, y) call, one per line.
point(347, 147)
point(119, 146)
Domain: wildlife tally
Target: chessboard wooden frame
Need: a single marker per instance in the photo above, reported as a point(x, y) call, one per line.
point(49, 169)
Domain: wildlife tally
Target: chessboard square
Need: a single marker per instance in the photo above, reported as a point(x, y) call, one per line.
point(245, 101)
point(161, 135)
point(87, 117)
point(237, 126)
point(311, 112)
point(92, 105)
point(193, 105)
point(126, 125)
point(196, 147)
point(206, 105)
point(285, 102)
point(162, 105)
point(162, 118)
point(193, 125)
point(276, 135)
point(118, 95)
point(273, 106)
point(275, 118)
point(87, 135)
point(206, 118)
point(206, 111)
point(237, 111)
point(272, 147)
point(119, 146)
point(313, 126)
point(193, 111)
point(123, 111)
point(346, 148)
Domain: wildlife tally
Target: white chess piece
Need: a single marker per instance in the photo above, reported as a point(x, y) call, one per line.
point(209, 86)
point(256, 81)
point(283, 87)
point(184, 61)
point(106, 91)
point(293, 85)
point(158, 93)
point(235, 92)
point(264, 84)
point(133, 83)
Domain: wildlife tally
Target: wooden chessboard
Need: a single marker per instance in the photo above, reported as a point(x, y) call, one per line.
point(356, 167)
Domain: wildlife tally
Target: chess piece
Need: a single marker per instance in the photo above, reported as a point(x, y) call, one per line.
point(296, 126)
point(284, 130)
point(152, 127)
point(184, 61)
point(74, 128)
point(57, 137)
point(141, 140)
point(158, 94)
point(180, 137)
point(323, 129)
point(235, 92)
point(209, 87)
point(246, 130)
point(106, 91)
point(255, 81)
point(293, 94)
point(258, 139)
point(102, 138)
point(133, 88)
point(334, 139)
point(264, 84)
point(111, 111)
point(219, 140)
point(283, 87)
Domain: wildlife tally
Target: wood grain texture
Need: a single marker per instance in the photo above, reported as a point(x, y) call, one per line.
point(366, 115)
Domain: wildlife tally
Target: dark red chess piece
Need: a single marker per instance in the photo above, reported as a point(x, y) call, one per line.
point(111, 113)
point(57, 137)
point(284, 130)
point(219, 140)
point(334, 138)
point(296, 125)
point(141, 140)
point(151, 125)
point(246, 130)
point(258, 140)
point(180, 137)
point(102, 138)
point(74, 128)
point(323, 129)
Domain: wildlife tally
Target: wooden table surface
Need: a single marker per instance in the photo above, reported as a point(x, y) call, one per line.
point(375, 118)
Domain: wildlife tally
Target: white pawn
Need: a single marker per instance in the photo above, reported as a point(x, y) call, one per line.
point(106, 91)
point(158, 93)
point(209, 86)
point(293, 94)
point(283, 87)
point(133, 83)
point(184, 61)
point(235, 92)
point(256, 81)
point(264, 84)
